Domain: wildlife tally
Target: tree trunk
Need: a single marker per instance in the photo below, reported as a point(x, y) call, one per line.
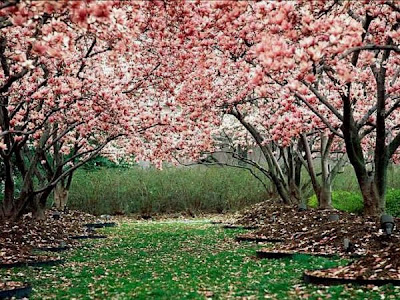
point(295, 194)
point(24, 200)
point(325, 196)
point(323, 191)
point(39, 204)
point(60, 196)
point(7, 210)
point(280, 188)
point(8, 200)
point(38, 209)
point(374, 202)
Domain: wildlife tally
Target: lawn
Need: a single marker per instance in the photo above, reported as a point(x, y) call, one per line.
point(181, 260)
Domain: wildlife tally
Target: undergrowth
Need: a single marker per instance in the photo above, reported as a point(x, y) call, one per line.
point(136, 190)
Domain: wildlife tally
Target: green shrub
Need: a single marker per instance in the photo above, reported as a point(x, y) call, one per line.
point(100, 162)
point(342, 200)
point(393, 202)
point(136, 190)
point(352, 202)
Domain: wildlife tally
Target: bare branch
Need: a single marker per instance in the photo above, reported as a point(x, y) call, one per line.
point(92, 153)
point(394, 145)
point(83, 64)
point(4, 64)
point(62, 134)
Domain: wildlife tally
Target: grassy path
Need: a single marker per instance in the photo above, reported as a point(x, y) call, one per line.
point(180, 260)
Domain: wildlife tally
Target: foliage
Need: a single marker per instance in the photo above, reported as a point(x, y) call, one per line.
point(185, 260)
point(206, 189)
point(342, 200)
point(352, 201)
point(103, 162)
point(393, 202)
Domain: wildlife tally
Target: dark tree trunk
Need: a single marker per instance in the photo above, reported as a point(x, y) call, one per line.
point(374, 198)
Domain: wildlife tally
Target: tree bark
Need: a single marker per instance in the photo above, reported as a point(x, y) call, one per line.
point(60, 196)
point(374, 200)
point(325, 196)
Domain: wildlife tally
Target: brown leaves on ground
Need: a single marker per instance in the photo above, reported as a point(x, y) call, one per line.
point(18, 239)
point(313, 231)
point(11, 285)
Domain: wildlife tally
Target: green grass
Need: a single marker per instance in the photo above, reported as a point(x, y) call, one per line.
point(343, 200)
point(352, 201)
point(347, 180)
point(200, 189)
point(178, 260)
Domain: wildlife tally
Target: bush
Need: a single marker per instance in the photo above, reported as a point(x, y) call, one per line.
point(136, 190)
point(352, 202)
point(342, 200)
point(393, 202)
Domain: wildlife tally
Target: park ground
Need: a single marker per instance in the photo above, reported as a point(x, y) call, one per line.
point(182, 259)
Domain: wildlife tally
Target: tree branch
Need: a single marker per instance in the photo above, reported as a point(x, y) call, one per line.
point(324, 101)
point(370, 47)
point(322, 118)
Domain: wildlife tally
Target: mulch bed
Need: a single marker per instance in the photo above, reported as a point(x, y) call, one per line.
point(268, 253)
point(233, 226)
point(312, 230)
point(320, 232)
point(32, 263)
point(377, 267)
point(19, 239)
point(257, 238)
point(100, 225)
point(10, 289)
point(329, 278)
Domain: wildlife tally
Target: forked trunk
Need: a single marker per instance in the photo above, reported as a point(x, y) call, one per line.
point(282, 191)
point(19, 206)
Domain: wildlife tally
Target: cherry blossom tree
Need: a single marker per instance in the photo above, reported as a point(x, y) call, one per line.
point(342, 57)
point(42, 90)
point(337, 59)
point(228, 80)
point(161, 76)
point(71, 83)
